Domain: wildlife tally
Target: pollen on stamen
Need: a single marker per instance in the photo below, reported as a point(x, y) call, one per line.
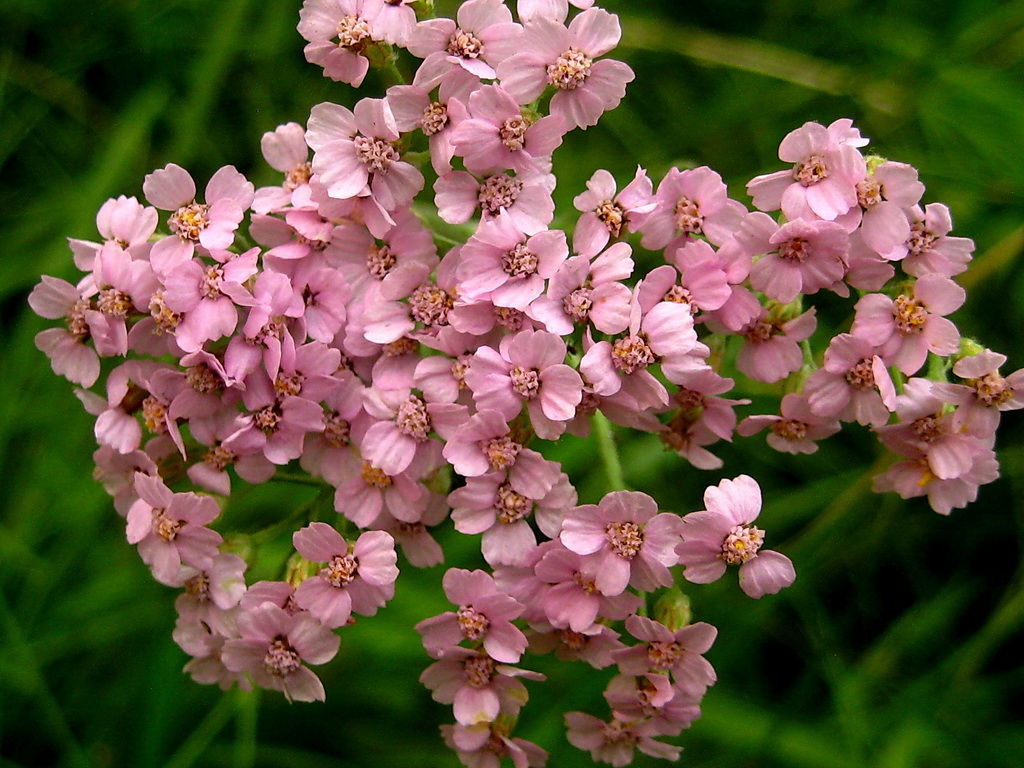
point(794, 250)
point(465, 45)
point(267, 419)
point(209, 286)
point(165, 527)
point(625, 539)
point(297, 176)
point(413, 420)
point(376, 476)
point(114, 303)
point(513, 132)
point(525, 381)
point(688, 217)
point(352, 33)
point(288, 384)
point(510, 505)
point(578, 304)
point(430, 305)
point(220, 458)
point(281, 659)
point(78, 326)
point(435, 118)
point(663, 655)
point(810, 170)
point(341, 570)
point(497, 192)
point(337, 431)
point(862, 375)
point(501, 452)
point(520, 261)
point(631, 354)
point(189, 220)
point(478, 671)
point(154, 415)
point(203, 379)
point(165, 318)
point(612, 215)
point(869, 193)
point(920, 240)
point(790, 429)
point(570, 70)
point(472, 623)
point(909, 315)
point(376, 154)
point(991, 389)
point(508, 318)
point(741, 544)
point(380, 261)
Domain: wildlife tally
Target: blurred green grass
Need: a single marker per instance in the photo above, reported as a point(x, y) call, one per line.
point(897, 647)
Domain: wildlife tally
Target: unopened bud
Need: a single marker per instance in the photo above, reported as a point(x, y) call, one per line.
point(673, 609)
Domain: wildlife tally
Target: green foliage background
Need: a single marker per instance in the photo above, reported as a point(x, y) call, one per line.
point(899, 645)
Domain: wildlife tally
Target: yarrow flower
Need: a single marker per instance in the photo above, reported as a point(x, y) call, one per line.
point(722, 535)
point(312, 332)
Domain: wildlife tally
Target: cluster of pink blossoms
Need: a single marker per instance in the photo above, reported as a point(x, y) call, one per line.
point(315, 323)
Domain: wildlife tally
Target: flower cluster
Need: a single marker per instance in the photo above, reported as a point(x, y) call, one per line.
point(314, 323)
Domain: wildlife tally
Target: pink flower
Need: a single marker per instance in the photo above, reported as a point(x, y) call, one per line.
point(797, 430)
point(614, 741)
point(629, 540)
point(170, 529)
point(663, 335)
point(501, 263)
point(484, 745)
point(527, 368)
point(697, 280)
point(823, 181)
point(853, 384)
point(910, 326)
point(588, 289)
point(121, 221)
point(206, 297)
point(338, 31)
point(357, 578)
point(882, 196)
point(564, 59)
point(914, 477)
point(573, 600)
point(285, 150)
point(772, 349)
point(413, 108)
point(483, 445)
point(924, 425)
point(497, 136)
point(353, 154)
point(802, 256)
point(483, 36)
point(485, 615)
point(605, 213)
point(478, 688)
point(722, 535)
point(984, 392)
point(211, 224)
point(272, 647)
point(930, 248)
point(488, 504)
point(688, 203)
point(69, 354)
point(662, 650)
point(525, 198)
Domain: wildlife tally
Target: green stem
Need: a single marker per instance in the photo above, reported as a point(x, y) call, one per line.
point(200, 739)
point(247, 704)
point(609, 453)
point(282, 477)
